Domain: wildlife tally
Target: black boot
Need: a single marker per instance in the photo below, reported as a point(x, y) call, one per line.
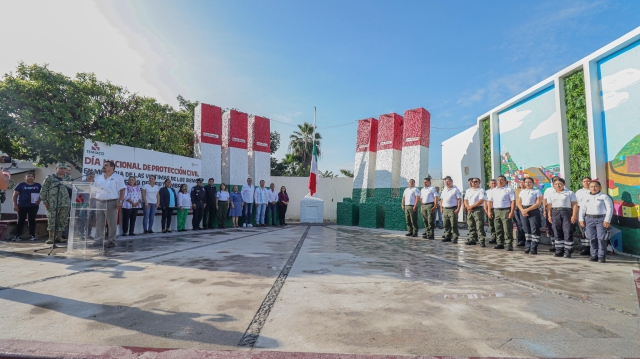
point(567, 253)
point(602, 260)
point(552, 249)
point(499, 246)
point(593, 259)
point(527, 246)
point(534, 248)
point(585, 251)
point(510, 248)
point(521, 243)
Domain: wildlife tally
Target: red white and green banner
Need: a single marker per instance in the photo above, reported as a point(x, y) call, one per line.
point(313, 174)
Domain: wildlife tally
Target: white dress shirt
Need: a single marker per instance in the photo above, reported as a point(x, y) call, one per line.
point(473, 195)
point(260, 195)
point(597, 204)
point(529, 196)
point(581, 194)
point(110, 186)
point(428, 195)
point(501, 197)
point(450, 196)
point(247, 193)
point(410, 195)
point(561, 199)
point(272, 196)
point(184, 200)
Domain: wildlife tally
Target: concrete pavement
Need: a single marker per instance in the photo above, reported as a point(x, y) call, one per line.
point(335, 290)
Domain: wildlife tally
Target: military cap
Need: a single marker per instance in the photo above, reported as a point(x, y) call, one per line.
point(62, 165)
point(199, 180)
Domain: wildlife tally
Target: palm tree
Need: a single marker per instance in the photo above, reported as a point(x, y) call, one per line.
point(327, 174)
point(301, 144)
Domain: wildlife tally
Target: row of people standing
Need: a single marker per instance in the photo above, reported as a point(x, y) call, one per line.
point(562, 208)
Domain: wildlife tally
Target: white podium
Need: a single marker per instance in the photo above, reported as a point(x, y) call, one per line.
point(311, 209)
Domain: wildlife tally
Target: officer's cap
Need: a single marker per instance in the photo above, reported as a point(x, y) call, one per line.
point(199, 180)
point(62, 165)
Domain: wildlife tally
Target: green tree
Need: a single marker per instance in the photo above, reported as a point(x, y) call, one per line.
point(301, 143)
point(327, 174)
point(45, 117)
point(346, 173)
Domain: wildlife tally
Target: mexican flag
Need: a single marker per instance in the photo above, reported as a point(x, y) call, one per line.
point(313, 175)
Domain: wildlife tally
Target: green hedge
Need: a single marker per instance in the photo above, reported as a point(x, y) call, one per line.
point(486, 145)
point(578, 135)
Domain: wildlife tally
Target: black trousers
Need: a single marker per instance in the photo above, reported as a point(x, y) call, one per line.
point(167, 213)
point(517, 217)
point(563, 229)
point(198, 212)
point(23, 213)
point(209, 216)
point(531, 224)
point(128, 220)
point(282, 210)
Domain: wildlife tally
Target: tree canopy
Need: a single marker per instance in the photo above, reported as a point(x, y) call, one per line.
point(45, 117)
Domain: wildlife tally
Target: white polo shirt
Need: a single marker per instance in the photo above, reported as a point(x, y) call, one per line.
point(529, 196)
point(410, 195)
point(597, 204)
point(473, 195)
point(110, 186)
point(501, 197)
point(581, 194)
point(561, 199)
point(428, 195)
point(450, 196)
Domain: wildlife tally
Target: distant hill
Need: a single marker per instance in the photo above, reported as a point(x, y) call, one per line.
point(631, 148)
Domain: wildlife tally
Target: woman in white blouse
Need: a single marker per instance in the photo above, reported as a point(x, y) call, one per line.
point(184, 203)
point(596, 210)
point(132, 202)
point(529, 201)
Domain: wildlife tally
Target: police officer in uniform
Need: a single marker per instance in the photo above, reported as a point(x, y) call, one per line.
point(487, 209)
point(474, 199)
point(410, 200)
point(198, 198)
point(56, 197)
point(521, 239)
point(529, 201)
point(595, 216)
point(210, 206)
point(450, 202)
point(581, 194)
point(429, 198)
point(503, 203)
point(563, 211)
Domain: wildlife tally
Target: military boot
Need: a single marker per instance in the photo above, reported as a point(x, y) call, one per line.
point(586, 251)
point(59, 238)
point(534, 248)
point(51, 238)
point(527, 246)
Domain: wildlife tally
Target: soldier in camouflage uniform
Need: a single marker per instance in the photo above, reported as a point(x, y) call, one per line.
point(56, 196)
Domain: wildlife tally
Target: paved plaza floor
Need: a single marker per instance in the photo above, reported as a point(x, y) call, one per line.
point(313, 291)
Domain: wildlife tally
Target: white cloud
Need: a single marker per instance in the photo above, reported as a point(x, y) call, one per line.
point(547, 127)
point(84, 36)
point(511, 120)
point(610, 85)
point(287, 117)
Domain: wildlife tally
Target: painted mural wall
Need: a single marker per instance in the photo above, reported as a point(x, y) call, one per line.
point(529, 139)
point(619, 80)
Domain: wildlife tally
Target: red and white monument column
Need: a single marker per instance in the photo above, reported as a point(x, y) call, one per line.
point(415, 146)
point(260, 149)
point(388, 156)
point(207, 128)
point(364, 172)
point(235, 157)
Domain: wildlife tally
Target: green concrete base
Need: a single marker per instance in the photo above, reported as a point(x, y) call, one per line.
point(371, 215)
point(394, 217)
point(348, 213)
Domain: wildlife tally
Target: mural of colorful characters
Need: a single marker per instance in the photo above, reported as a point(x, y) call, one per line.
point(619, 76)
point(529, 139)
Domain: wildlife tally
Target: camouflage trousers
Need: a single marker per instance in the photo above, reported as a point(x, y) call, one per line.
point(57, 219)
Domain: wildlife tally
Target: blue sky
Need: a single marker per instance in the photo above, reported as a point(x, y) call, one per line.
point(351, 59)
